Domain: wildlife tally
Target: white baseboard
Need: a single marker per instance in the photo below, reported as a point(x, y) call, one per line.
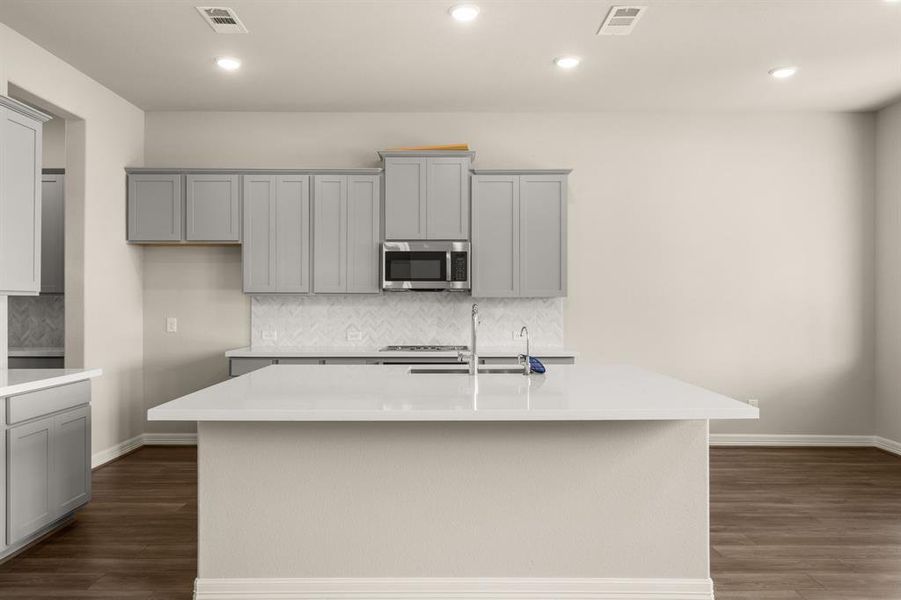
point(388, 588)
point(170, 439)
point(144, 439)
point(120, 449)
point(716, 439)
point(887, 445)
point(753, 439)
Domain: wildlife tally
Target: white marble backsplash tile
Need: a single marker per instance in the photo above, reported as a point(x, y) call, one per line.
point(401, 318)
point(37, 321)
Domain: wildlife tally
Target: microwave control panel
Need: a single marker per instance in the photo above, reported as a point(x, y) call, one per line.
point(459, 271)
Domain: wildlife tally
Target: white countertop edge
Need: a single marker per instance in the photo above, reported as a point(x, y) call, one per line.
point(41, 383)
point(251, 415)
point(300, 352)
point(44, 352)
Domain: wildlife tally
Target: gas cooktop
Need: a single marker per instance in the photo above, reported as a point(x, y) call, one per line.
point(423, 348)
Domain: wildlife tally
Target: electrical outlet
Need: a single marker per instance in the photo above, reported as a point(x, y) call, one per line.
point(269, 335)
point(354, 334)
point(171, 324)
point(754, 402)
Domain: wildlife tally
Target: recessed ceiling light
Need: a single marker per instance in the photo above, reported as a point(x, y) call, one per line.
point(783, 72)
point(227, 63)
point(567, 62)
point(464, 12)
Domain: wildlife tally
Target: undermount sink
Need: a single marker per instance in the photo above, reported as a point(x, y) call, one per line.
point(465, 371)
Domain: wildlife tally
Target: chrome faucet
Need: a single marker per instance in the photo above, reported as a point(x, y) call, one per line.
point(473, 353)
point(527, 357)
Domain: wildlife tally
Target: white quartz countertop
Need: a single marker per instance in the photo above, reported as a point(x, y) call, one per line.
point(393, 393)
point(374, 352)
point(19, 381)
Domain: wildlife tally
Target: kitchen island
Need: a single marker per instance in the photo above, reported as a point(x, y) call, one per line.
point(329, 481)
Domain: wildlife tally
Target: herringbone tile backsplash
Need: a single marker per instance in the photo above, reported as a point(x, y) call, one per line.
point(37, 321)
point(401, 318)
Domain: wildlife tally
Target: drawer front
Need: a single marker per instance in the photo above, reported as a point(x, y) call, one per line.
point(44, 402)
point(242, 366)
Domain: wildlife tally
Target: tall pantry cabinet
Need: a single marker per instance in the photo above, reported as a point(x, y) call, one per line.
point(20, 197)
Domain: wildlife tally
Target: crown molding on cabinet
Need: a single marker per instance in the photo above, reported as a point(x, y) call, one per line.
point(521, 171)
point(24, 109)
point(383, 154)
point(238, 171)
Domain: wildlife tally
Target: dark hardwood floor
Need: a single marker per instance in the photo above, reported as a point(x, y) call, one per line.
point(786, 524)
point(805, 523)
point(135, 540)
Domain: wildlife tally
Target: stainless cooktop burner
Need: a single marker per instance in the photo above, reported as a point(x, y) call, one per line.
point(423, 348)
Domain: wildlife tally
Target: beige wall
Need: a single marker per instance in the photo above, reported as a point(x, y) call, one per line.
point(104, 292)
point(201, 287)
point(54, 144)
point(734, 251)
point(888, 319)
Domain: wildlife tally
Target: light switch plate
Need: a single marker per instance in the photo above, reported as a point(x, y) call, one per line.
point(171, 324)
point(269, 335)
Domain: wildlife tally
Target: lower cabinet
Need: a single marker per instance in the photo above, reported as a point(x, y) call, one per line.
point(48, 469)
point(346, 217)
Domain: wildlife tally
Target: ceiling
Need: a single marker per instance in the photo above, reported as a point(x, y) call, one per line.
point(409, 55)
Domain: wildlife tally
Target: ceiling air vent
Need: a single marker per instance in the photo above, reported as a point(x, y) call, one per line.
point(222, 20)
point(621, 20)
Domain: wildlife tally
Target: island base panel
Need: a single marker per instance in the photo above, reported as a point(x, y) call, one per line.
point(453, 500)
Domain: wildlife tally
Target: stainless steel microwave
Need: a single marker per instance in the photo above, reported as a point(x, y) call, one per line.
point(425, 266)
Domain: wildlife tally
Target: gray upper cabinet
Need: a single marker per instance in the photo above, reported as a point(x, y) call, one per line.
point(346, 216)
point(330, 234)
point(20, 197)
point(427, 195)
point(155, 207)
point(447, 206)
point(405, 198)
point(292, 233)
point(184, 206)
point(212, 208)
point(276, 248)
point(53, 234)
point(363, 218)
point(519, 233)
point(495, 236)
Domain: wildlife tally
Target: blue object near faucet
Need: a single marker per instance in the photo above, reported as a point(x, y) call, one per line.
point(536, 365)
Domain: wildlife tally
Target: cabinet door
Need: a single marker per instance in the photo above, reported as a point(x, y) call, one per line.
point(4, 540)
point(542, 236)
point(405, 198)
point(363, 213)
point(258, 249)
point(53, 234)
point(212, 208)
point(495, 236)
point(20, 203)
point(330, 234)
point(448, 199)
point(30, 478)
point(154, 208)
point(292, 234)
point(71, 449)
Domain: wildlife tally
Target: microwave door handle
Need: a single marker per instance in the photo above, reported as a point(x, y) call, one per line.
point(447, 266)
